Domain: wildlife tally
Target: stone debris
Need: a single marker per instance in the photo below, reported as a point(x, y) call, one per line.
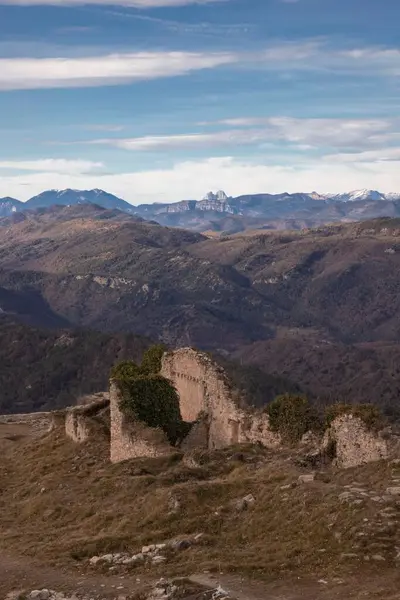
point(161, 590)
point(151, 554)
point(46, 594)
point(309, 478)
point(220, 594)
point(244, 503)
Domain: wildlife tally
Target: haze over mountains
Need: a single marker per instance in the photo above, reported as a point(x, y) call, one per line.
point(217, 212)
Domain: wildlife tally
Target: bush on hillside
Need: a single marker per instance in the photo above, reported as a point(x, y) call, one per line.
point(151, 361)
point(368, 413)
point(292, 416)
point(125, 371)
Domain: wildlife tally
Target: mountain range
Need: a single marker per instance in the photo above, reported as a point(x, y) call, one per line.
point(218, 213)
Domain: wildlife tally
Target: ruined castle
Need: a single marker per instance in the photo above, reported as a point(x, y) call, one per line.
point(210, 403)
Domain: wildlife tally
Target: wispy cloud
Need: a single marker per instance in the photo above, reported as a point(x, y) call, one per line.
point(129, 3)
point(113, 69)
point(52, 165)
point(117, 69)
point(379, 155)
point(323, 55)
point(305, 133)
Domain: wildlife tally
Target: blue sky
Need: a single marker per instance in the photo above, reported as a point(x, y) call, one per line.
point(160, 100)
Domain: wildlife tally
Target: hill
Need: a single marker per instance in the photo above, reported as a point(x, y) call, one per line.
point(318, 307)
point(42, 370)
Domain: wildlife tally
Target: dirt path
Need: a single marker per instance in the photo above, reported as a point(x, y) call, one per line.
point(23, 574)
point(384, 587)
point(19, 574)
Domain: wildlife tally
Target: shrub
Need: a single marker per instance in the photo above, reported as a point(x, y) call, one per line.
point(153, 400)
point(151, 361)
point(292, 416)
point(368, 413)
point(125, 371)
point(149, 397)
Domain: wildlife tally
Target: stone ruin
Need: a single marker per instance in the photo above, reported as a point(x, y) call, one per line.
point(210, 403)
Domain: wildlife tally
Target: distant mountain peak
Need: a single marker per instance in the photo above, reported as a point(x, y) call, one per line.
point(218, 196)
point(70, 197)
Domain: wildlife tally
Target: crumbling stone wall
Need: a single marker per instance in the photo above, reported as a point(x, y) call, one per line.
point(204, 388)
point(133, 440)
point(76, 427)
point(80, 421)
point(354, 443)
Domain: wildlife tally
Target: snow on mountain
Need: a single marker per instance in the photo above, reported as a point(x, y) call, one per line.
point(9, 206)
point(371, 195)
point(70, 197)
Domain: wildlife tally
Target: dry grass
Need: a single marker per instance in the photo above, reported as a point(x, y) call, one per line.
point(63, 503)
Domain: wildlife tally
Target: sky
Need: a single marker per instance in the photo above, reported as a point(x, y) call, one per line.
point(165, 100)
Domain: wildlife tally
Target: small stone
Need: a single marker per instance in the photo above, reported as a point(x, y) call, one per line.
point(157, 560)
point(107, 558)
point(378, 557)
point(148, 549)
point(40, 595)
point(244, 503)
point(393, 491)
point(345, 496)
point(349, 555)
point(309, 478)
point(95, 559)
point(181, 544)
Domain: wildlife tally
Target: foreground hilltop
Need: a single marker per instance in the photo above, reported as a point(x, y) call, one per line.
point(259, 513)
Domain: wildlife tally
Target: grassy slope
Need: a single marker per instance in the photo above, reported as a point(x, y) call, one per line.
point(63, 503)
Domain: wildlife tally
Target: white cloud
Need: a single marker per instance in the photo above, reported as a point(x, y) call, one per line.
point(117, 69)
point(128, 3)
point(370, 156)
point(321, 55)
point(112, 69)
point(338, 133)
point(191, 179)
point(54, 165)
point(195, 140)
